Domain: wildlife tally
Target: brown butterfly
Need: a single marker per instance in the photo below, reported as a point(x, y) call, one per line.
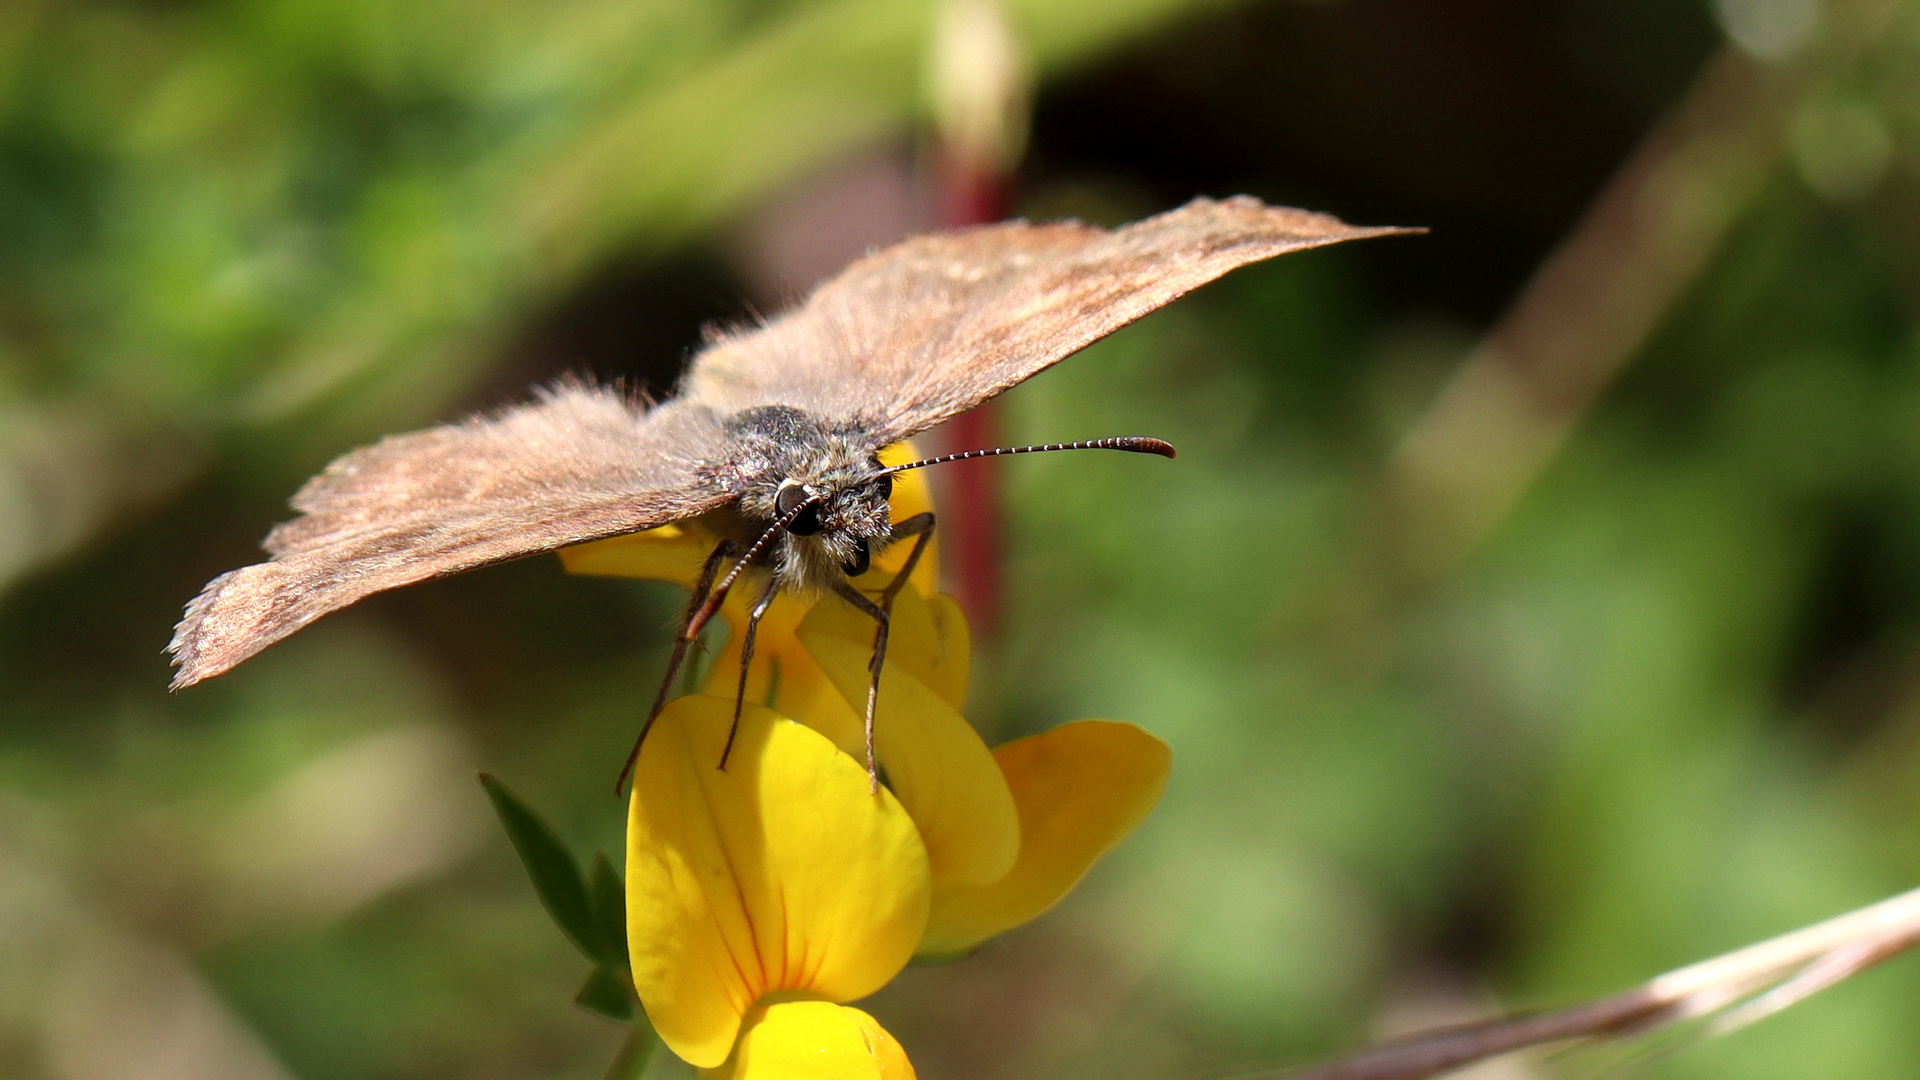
point(771, 441)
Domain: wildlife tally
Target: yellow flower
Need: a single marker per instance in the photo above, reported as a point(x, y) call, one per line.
point(1008, 832)
point(816, 1040)
point(761, 896)
point(764, 897)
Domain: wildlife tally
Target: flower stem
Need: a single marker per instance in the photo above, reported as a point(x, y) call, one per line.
point(634, 1053)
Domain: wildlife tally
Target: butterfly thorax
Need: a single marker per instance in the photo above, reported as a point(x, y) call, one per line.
point(783, 456)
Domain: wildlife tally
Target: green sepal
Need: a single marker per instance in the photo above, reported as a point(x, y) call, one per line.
point(607, 994)
point(555, 874)
point(609, 896)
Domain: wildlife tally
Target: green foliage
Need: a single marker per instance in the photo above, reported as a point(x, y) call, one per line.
point(606, 993)
point(590, 911)
point(609, 899)
point(581, 914)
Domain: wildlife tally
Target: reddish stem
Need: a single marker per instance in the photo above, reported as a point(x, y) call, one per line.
point(970, 516)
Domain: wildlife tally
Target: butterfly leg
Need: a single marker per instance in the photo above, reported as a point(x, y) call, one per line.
point(697, 602)
point(920, 527)
point(879, 615)
point(746, 663)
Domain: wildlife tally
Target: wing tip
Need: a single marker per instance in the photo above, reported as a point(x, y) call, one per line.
point(192, 658)
point(189, 664)
point(192, 663)
point(1290, 218)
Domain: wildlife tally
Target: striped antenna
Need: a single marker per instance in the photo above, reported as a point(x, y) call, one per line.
point(718, 594)
point(1138, 444)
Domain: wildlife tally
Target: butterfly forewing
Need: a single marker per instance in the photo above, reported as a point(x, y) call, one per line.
point(931, 327)
point(580, 464)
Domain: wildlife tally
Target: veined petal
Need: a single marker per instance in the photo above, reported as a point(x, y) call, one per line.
point(1081, 788)
point(934, 760)
point(813, 1040)
point(779, 873)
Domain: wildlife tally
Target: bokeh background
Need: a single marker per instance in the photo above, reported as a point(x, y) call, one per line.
point(1535, 604)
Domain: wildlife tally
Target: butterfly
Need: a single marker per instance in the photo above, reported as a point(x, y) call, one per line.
point(772, 440)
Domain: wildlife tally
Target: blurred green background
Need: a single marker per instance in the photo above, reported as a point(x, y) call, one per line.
point(1535, 605)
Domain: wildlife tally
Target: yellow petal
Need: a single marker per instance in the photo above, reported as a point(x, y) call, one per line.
point(1080, 787)
point(949, 676)
point(780, 873)
point(807, 695)
point(676, 553)
point(934, 761)
point(813, 1040)
point(929, 639)
point(775, 649)
point(669, 553)
point(911, 495)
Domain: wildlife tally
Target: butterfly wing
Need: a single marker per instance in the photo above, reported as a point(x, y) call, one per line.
point(933, 326)
point(579, 464)
point(898, 342)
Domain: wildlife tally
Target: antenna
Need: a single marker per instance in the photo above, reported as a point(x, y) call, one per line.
point(1138, 444)
point(718, 595)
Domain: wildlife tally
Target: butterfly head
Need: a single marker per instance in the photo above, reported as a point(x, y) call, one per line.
point(836, 523)
point(820, 488)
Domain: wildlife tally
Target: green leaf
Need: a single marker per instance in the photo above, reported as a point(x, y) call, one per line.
point(555, 874)
point(609, 896)
point(607, 994)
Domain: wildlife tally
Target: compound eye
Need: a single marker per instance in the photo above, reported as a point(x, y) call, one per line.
point(885, 484)
point(791, 497)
